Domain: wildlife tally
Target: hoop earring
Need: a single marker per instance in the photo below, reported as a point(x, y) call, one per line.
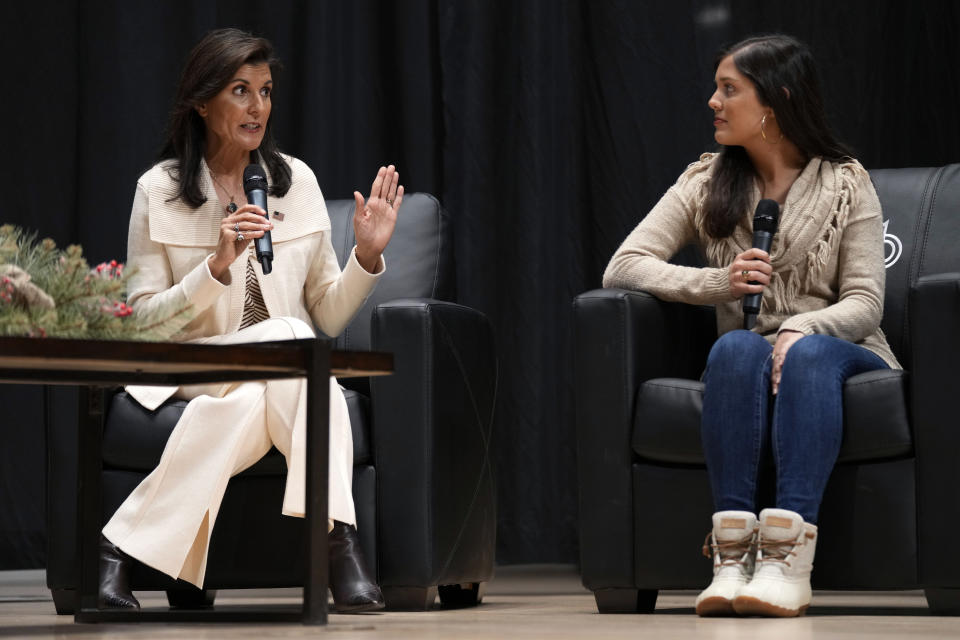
point(763, 134)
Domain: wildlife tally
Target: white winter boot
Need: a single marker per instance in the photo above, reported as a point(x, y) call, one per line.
point(732, 544)
point(781, 582)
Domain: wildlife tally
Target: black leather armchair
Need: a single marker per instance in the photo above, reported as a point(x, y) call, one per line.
point(891, 509)
point(423, 481)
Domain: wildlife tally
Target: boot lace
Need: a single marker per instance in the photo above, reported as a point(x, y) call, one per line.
point(780, 550)
point(730, 553)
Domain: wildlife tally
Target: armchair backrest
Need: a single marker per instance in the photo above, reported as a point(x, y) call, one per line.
point(419, 259)
point(921, 213)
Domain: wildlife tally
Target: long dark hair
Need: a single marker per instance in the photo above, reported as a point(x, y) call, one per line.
point(210, 66)
point(772, 63)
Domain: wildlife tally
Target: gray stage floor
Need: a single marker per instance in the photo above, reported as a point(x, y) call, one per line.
point(533, 601)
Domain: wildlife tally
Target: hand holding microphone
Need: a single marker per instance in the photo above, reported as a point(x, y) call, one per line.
point(244, 225)
point(750, 271)
point(237, 231)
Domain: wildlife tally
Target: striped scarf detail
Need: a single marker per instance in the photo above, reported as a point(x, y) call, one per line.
point(254, 310)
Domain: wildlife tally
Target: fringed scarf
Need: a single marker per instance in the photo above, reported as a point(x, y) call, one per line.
point(810, 228)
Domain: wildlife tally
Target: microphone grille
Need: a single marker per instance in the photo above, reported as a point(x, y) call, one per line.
point(254, 177)
point(766, 216)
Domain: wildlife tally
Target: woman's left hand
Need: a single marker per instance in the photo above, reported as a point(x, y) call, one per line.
point(785, 340)
point(374, 221)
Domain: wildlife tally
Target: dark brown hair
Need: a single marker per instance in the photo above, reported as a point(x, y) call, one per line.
point(772, 63)
point(209, 68)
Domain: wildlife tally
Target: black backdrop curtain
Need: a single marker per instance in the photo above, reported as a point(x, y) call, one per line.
point(546, 128)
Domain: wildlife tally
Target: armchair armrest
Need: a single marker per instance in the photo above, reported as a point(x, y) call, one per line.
point(432, 427)
point(621, 339)
point(934, 316)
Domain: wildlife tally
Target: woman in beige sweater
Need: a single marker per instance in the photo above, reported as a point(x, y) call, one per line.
point(776, 389)
point(191, 242)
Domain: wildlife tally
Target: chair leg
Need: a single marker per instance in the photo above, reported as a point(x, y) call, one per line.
point(943, 601)
point(64, 600)
point(625, 600)
point(191, 598)
point(469, 594)
point(409, 598)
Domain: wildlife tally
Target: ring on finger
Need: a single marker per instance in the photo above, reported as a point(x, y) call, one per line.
point(236, 227)
point(389, 202)
point(746, 274)
point(240, 237)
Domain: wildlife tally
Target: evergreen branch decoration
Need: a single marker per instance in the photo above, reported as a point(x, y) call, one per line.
point(48, 292)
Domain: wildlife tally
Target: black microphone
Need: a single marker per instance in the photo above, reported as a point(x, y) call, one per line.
point(255, 186)
point(764, 227)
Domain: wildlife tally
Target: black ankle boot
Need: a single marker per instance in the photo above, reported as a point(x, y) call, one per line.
point(115, 578)
point(354, 589)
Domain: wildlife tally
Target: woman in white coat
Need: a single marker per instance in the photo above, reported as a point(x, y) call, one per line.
point(191, 242)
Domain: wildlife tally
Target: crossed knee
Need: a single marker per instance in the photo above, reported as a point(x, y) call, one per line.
point(289, 328)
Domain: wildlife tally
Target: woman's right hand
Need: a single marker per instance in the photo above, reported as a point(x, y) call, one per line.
point(247, 222)
point(753, 265)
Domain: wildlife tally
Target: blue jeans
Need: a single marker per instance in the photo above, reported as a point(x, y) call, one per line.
point(806, 426)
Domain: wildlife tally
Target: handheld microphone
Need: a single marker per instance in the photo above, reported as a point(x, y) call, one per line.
point(255, 186)
point(764, 227)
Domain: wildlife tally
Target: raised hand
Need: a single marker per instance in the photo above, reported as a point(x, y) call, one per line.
point(374, 221)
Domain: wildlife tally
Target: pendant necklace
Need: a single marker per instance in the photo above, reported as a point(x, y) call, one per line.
point(232, 207)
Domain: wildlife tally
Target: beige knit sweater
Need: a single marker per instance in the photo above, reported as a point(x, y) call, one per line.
point(827, 256)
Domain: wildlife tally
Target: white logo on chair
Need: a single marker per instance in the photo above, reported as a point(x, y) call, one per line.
point(892, 247)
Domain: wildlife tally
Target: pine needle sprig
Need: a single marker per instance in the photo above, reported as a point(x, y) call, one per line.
point(48, 292)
